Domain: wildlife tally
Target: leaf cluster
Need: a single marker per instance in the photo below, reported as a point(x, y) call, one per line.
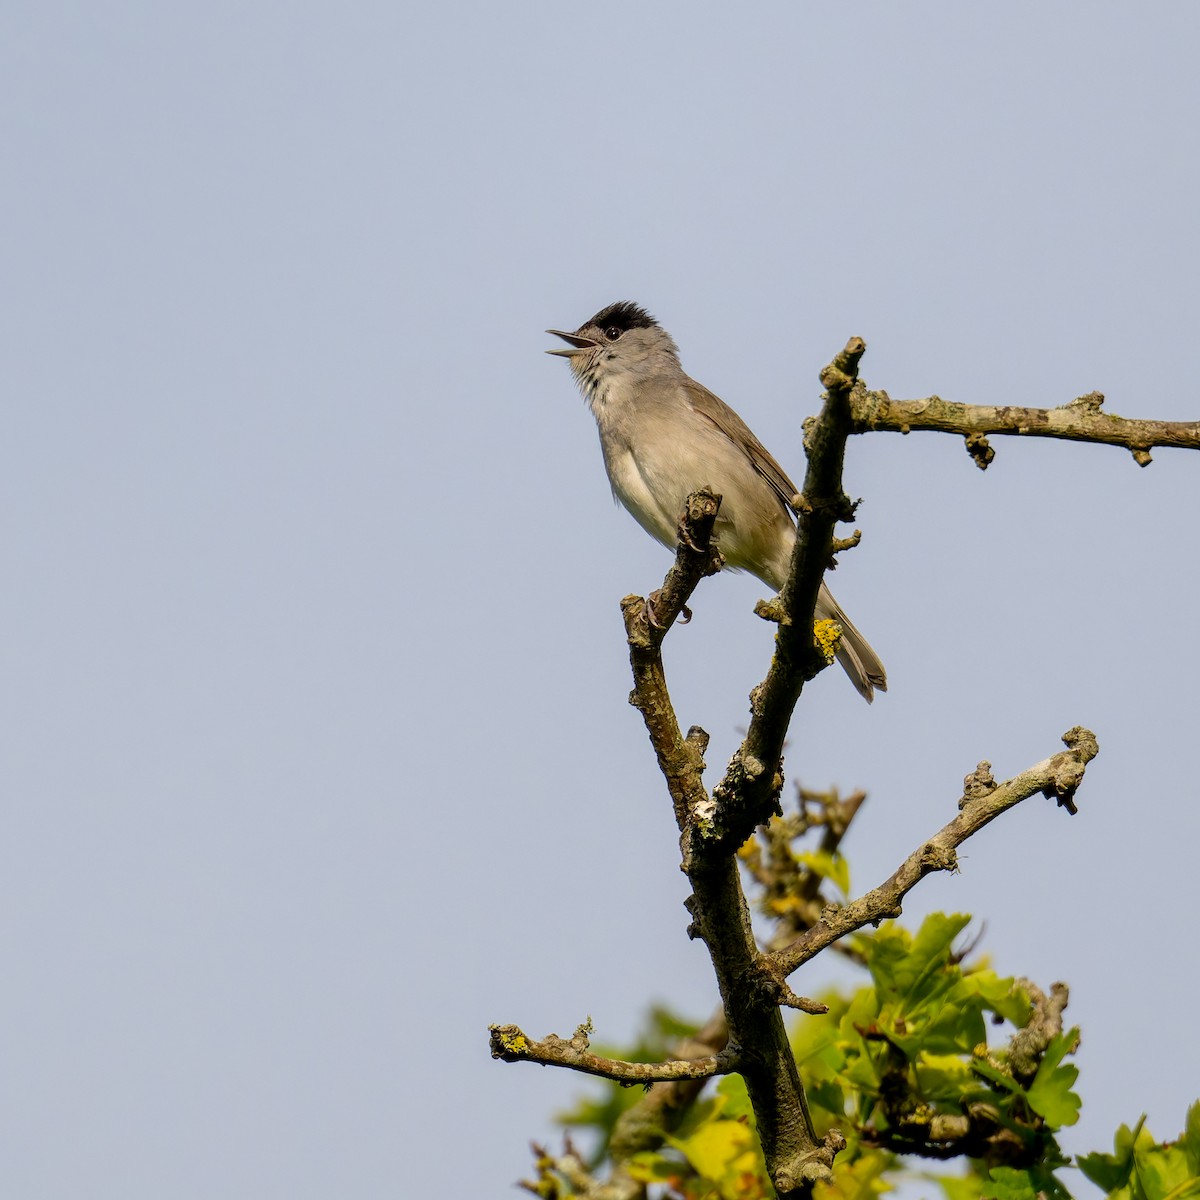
point(932, 1057)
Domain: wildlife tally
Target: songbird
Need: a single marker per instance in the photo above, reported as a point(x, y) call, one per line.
point(664, 435)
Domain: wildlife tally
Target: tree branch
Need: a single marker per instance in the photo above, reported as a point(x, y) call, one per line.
point(509, 1043)
point(646, 623)
point(1081, 421)
point(749, 793)
point(983, 801)
point(750, 995)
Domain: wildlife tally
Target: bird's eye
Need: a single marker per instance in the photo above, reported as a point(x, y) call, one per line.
point(613, 332)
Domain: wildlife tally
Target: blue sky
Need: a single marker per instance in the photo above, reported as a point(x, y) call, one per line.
point(315, 751)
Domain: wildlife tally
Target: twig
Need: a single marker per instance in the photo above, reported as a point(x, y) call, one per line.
point(646, 623)
point(1081, 421)
point(509, 1043)
point(1045, 1023)
point(983, 801)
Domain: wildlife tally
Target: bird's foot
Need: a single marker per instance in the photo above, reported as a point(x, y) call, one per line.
point(684, 617)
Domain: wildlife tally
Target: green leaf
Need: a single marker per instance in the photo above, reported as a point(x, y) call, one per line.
point(648, 1166)
point(829, 866)
point(992, 1074)
point(1003, 996)
point(703, 1111)
point(1163, 1171)
point(828, 1096)
point(1104, 1170)
point(735, 1100)
point(1050, 1092)
point(1007, 1183)
point(859, 1179)
point(1111, 1171)
point(956, 1025)
point(725, 1153)
point(714, 1149)
point(944, 1077)
point(905, 968)
point(1190, 1137)
point(959, 1187)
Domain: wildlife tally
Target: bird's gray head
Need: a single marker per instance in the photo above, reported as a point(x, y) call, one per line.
point(622, 340)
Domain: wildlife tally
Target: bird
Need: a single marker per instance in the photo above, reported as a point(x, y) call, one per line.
point(663, 436)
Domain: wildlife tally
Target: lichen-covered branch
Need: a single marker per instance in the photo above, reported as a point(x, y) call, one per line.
point(983, 801)
point(750, 995)
point(509, 1043)
point(1082, 420)
point(980, 1130)
point(749, 793)
point(1045, 1023)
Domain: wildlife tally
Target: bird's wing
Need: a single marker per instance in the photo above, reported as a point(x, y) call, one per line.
point(738, 432)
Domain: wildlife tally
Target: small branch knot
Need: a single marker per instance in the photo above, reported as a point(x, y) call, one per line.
point(1082, 741)
point(1069, 767)
point(1045, 1023)
point(978, 785)
point(780, 993)
point(772, 610)
point(980, 449)
point(834, 379)
point(938, 858)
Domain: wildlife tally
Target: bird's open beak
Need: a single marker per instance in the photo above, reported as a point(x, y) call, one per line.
point(578, 343)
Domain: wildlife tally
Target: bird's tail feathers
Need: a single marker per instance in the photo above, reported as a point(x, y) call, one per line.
point(854, 652)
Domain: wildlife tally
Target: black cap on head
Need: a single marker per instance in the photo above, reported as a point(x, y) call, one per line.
point(624, 315)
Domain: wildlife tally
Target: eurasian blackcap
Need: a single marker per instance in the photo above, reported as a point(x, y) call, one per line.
point(664, 435)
